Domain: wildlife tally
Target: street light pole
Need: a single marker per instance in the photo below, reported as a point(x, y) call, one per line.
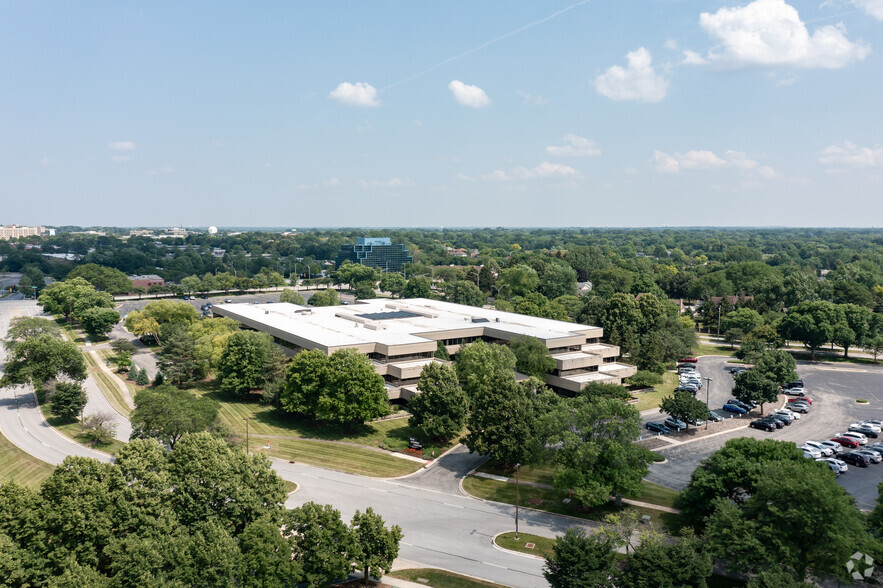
point(707, 388)
point(517, 466)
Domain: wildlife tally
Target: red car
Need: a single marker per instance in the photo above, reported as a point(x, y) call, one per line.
point(688, 360)
point(845, 441)
point(801, 399)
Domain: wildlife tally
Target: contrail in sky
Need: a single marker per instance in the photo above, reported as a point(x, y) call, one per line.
point(487, 44)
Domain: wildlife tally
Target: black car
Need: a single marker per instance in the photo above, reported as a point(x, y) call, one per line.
point(856, 459)
point(657, 427)
point(714, 417)
point(794, 384)
point(762, 424)
point(773, 421)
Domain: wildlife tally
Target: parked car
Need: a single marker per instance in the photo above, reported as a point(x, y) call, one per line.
point(806, 399)
point(744, 405)
point(786, 412)
point(774, 421)
point(867, 430)
point(734, 408)
point(795, 384)
point(762, 425)
point(228, 300)
point(794, 391)
point(839, 464)
point(695, 422)
point(833, 446)
point(815, 453)
point(876, 447)
point(808, 455)
point(875, 422)
point(871, 425)
point(688, 360)
point(826, 451)
point(657, 427)
point(860, 437)
point(673, 423)
point(714, 417)
point(845, 441)
point(856, 459)
point(801, 407)
point(872, 455)
point(783, 416)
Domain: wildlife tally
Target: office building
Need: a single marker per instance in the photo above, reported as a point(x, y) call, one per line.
point(377, 252)
point(401, 336)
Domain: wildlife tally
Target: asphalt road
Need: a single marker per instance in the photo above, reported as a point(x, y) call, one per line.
point(20, 418)
point(833, 388)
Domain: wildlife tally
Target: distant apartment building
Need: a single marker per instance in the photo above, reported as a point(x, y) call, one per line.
point(401, 337)
point(15, 231)
point(377, 252)
point(146, 281)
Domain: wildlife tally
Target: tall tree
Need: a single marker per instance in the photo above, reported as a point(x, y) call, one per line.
point(290, 296)
point(99, 321)
point(377, 546)
point(27, 327)
point(812, 323)
point(354, 393)
point(324, 547)
point(778, 366)
point(684, 406)
point(393, 283)
point(178, 359)
point(532, 356)
point(417, 287)
point(327, 297)
point(667, 564)
point(249, 362)
point(518, 280)
point(72, 296)
point(463, 292)
point(502, 422)
point(479, 363)
point(755, 386)
point(38, 360)
point(580, 560)
point(104, 278)
point(68, 400)
point(167, 413)
point(441, 407)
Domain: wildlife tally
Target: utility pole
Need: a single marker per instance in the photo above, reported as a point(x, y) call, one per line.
point(707, 388)
point(517, 466)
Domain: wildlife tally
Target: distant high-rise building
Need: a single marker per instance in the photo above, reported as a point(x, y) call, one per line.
point(377, 252)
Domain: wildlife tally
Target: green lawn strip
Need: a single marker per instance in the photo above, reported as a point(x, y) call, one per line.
point(835, 357)
point(551, 501)
point(648, 400)
point(391, 434)
point(73, 431)
point(542, 546)
point(289, 486)
point(337, 456)
point(22, 467)
point(656, 494)
point(708, 349)
point(107, 386)
point(72, 332)
point(441, 579)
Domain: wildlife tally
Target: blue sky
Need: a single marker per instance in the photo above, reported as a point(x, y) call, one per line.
point(512, 113)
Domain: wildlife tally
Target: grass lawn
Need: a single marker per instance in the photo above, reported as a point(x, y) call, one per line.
point(648, 400)
point(337, 456)
point(542, 545)
point(22, 467)
point(73, 430)
point(289, 486)
point(656, 494)
point(441, 579)
point(551, 501)
point(108, 387)
point(70, 330)
point(706, 349)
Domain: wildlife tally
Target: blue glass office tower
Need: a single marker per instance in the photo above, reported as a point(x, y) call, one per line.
point(377, 252)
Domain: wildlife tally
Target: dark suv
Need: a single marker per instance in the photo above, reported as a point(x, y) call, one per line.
point(856, 459)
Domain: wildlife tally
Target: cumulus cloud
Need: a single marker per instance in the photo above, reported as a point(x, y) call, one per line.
point(770, 33)
point(358, 94)
point(466, 95)
point(637, 81)
point(693, 58)
point(121, 158)
point(575, 146)
point(697, 160)
point(544, 170)
point(390, 183)
point(122, 145)
point(872, 7)
point(851, 155)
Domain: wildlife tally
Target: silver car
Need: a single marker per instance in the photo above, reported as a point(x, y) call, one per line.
point(837, 465)
point(872, 455)
point(786, 412)
point(826, 451)
point(832, 445)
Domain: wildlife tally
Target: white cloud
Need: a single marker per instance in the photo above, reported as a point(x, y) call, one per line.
point(637, 81)
point(872, 7)
point(697, 160)
point(165, 170)
point(530, 99)
point(544, 170)
point(365, 126)
point(464, 178)
point(358, 94)
point(671, 44)
point(390, 183)
point(122, 145)
point(121, 158)
point(693, 58)
point(576, 147)
point(851, 155)
point(466, 95)
point(770, 33)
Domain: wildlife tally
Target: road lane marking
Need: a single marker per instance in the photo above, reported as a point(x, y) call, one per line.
point(487, 563)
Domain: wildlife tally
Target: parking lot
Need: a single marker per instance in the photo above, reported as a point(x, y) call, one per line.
point(834, 389)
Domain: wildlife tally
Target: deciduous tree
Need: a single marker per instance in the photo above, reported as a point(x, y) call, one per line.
point(755, 386)
point(167, 413)
point(441, 407)
point(250, 361)
point(68, 400)
point(377, 546)
point(580, 560)
point(532, 357)
point(37, 360)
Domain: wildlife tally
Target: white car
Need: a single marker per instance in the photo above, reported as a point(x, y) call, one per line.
point(832, 445)
point(812, 451)
point(786, 412)
point(877, 423)
point(795, 392)
point(826, 451)
point(838, 463)
point(809, 455)
point(861, 439)
point(872, 426)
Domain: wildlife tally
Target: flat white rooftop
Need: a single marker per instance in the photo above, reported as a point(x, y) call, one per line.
point(588, 377)
point(396, 323)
